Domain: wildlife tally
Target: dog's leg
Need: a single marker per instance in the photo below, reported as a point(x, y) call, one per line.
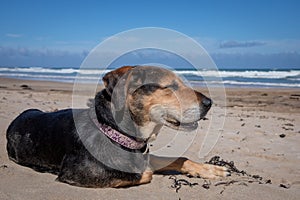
point(186, 166)
point(81, 169)
point(146, 178)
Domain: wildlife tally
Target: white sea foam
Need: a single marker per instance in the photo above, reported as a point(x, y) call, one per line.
point(209, 73)
point(272, 78)
point(53, 70)
point(249, 84)
point(243, 74)
point(295, 85)
point(49, 77)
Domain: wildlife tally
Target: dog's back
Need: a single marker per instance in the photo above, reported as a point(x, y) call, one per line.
point(30, 138)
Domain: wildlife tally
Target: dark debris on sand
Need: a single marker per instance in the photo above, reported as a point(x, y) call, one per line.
point(178, 183)
point(285, 186)
point(3, 167)
point(216, 160)
point(243, 178)
point(25, 87)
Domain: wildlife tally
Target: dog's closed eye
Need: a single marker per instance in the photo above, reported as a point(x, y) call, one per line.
point(174, 86)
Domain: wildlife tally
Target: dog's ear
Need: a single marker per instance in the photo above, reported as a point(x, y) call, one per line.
point(111, 79)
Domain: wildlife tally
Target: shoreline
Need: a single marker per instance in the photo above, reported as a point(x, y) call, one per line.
point(284, 100)
point(6, 80)
point(241, 78)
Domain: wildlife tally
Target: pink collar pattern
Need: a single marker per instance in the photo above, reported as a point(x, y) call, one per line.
point(118, 137)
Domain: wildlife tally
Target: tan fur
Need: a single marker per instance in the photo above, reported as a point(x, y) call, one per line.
point(171, 97)
point(146, 178)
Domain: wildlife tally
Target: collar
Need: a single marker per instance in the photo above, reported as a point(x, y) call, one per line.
point(118, 137)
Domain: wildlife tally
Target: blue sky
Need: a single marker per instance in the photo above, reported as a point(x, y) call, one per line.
point(256, 33)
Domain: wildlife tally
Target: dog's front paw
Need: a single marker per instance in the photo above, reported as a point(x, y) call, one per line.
point(206, 171)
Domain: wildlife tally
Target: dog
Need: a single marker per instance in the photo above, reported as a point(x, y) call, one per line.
point(106, 145)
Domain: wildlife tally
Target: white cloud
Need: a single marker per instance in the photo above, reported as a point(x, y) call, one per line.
point(214, 46)
point(257, 60)
point(13, 35)
point(23, 56)
point(241, 44)
point(263, 53)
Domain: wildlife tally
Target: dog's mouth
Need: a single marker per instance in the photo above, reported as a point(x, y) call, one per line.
point(176, 124)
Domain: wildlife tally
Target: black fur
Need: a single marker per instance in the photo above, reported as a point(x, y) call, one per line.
point(51, 142)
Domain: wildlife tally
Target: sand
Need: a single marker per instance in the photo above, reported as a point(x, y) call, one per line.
point(261, 134)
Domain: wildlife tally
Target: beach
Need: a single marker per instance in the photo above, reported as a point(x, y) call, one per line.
point(261, 134)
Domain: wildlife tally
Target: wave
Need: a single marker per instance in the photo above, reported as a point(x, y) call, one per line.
point(254, 78)
point(244, 84)
point(294, 85)
point(272, 74)
point(53, 70)
point(243, 74)
point(50, 77)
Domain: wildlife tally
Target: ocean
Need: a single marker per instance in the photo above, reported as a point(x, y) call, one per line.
point(287, 78)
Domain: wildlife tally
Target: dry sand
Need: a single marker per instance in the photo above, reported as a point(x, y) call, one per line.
point(261, 134)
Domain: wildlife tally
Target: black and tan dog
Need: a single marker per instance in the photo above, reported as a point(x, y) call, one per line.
point(106, 145)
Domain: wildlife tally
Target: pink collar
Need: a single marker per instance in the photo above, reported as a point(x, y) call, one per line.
point(118, 137)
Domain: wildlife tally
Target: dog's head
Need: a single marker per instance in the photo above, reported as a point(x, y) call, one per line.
point(152, 97)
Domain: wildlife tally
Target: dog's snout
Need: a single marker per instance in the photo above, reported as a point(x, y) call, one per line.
point(206, 102)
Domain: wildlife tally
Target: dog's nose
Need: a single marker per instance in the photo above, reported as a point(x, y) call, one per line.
point(206, 102)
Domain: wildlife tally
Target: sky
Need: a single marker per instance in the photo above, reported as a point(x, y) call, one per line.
point(235, 33)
